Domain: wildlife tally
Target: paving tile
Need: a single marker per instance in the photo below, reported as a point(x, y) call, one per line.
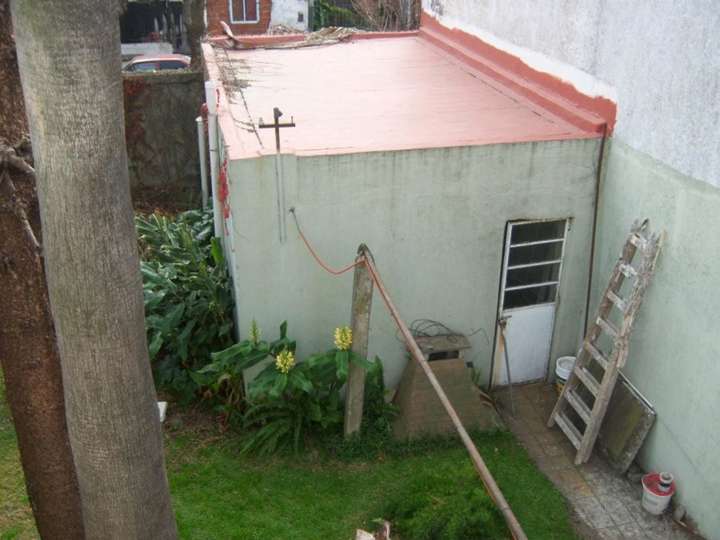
point(554, 463)
point(514, 424)
point(553, 450)
point(645, 518)
point(662, 531)
point(599, 519)
point(526, 438)
point(551, 437)
point(609, 533)
point(632, 531)
point(588, 505)
point(608, 504)
point(573, 493)
point(535, 425)
point(572, 477)
point(617, 510)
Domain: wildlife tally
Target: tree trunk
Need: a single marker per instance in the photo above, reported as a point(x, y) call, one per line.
point(28, 354)
point(193, 18)
point(69, 58)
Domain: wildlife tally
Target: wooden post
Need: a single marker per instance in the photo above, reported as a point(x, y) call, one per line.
point(360, 324)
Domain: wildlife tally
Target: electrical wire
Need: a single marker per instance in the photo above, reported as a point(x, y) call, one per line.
point(316, 256)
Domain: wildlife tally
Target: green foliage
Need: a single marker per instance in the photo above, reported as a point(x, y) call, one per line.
point(222, 379)
point(16, 518)
point(312, 495)
point(188, 301)
point(216, 492)
point(326, 13)
point(378, 414)
point(432, 508)
point(288, 404)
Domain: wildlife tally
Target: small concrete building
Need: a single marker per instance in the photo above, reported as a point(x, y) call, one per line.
point(474, 189)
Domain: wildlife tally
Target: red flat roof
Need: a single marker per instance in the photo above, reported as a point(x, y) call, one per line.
point(370, 95)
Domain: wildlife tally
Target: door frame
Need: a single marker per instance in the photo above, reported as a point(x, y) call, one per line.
point(501, 287)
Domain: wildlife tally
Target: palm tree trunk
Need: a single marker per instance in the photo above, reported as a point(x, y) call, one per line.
point(69, 58)
point(28, 355)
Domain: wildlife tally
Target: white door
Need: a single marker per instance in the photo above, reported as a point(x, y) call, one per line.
point(532, 266)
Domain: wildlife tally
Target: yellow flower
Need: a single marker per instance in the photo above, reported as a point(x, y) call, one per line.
point(285, 361)
point(343, 338)
point(254, 333)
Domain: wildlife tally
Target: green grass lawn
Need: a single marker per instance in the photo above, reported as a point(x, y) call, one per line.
point(16, 519)
point(218, 494)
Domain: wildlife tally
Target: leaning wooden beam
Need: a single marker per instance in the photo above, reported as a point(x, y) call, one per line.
point(482, 470)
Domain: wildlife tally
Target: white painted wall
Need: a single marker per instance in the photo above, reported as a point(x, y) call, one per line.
point(435, 222)
point(658, 59)
point(286, 12)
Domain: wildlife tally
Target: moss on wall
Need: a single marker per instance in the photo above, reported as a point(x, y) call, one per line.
point(161, 134)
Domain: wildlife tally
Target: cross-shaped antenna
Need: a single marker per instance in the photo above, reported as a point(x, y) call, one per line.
point(279, 182)
point(277, 113)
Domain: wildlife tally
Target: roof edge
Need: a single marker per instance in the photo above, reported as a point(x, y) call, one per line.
point(254, 41)
point(593, 114)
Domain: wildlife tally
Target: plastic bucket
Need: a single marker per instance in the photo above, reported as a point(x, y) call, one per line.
point(658, 489)
point(563, 369)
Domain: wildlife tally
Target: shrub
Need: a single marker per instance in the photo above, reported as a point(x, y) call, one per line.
point(222, 379)
point(378, 414)
point(188, 301)
point(289, 400)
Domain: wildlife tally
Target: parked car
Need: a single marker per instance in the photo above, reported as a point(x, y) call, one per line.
point(145, 63)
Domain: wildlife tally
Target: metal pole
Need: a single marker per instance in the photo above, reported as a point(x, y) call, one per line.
point(279, 180)
point(202, 155)
point(211, 99)
point(482, 470)
point(503, 322)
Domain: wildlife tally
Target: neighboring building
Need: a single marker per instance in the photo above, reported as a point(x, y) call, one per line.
point(659, 62)
point(256, 16)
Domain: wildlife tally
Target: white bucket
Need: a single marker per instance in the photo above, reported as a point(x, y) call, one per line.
point(657, 492)
point(563, 369)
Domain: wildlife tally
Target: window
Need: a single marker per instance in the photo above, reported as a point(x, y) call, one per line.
point(244, 11)
point(533, 263)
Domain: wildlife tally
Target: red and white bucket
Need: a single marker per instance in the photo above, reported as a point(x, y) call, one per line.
point(658, 489)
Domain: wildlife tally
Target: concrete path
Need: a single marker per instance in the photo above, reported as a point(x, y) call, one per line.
point(606, 506)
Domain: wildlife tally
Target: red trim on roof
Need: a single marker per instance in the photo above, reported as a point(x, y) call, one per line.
point(548, 91)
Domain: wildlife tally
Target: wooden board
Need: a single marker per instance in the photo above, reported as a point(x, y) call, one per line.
point(627, 423)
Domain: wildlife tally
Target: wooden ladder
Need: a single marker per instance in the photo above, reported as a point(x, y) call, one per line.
point(591, 360)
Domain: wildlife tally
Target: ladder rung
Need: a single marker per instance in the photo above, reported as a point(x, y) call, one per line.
point(596, 354)
point(569, 429)
point(638, 241)
point(608, 327)
point(627, 270)
point(588, 380)
point(579, 405)
point(615, 299)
